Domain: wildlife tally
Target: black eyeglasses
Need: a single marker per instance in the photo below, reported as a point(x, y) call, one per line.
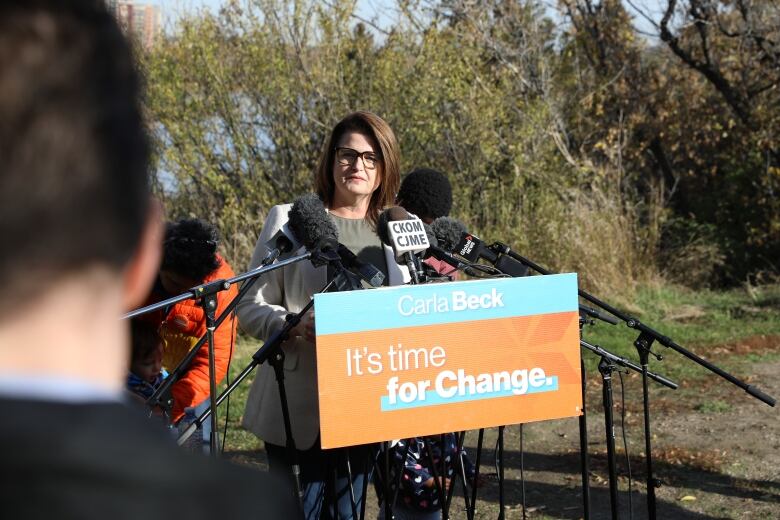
point(348, 157)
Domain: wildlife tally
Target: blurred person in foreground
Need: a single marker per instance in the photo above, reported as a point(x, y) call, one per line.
point(82, 247)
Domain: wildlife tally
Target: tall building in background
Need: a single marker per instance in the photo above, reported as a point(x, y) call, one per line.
point(142, 21)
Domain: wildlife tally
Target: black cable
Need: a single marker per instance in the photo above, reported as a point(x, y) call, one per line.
point(625, 442)
point(500, 472)
point(495, 456)
point(488, 270)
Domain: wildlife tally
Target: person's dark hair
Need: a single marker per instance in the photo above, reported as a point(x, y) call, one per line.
point(74, 153)
point(389, 169)
point(190, 248)
point(144, 339)
point(426, 193)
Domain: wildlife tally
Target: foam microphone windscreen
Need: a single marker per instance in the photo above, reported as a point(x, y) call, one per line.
point(431, 235)
point(448, 231)
point(310, 223)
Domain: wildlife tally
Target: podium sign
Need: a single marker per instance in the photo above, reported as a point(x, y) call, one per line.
point(407, 361)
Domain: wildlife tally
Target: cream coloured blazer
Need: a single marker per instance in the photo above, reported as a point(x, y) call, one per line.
point(261, 313)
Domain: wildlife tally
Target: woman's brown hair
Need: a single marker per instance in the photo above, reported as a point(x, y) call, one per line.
point(380, 132)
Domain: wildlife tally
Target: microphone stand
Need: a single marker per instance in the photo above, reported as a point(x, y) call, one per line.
point(272, 352)
point(583, 426)
point(209, 303)
point(208, 295)
point(648, 335)
point(500, 468)
point(586, 317)
point(470, 513)
point(461, 473)
point(643, 343)
point(606, 368)
point(607, 365)
point(412, 267)
point(582, 421)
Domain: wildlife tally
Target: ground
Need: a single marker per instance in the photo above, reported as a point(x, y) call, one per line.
point(715, 448)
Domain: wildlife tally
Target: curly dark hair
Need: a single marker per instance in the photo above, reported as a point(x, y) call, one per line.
point(426, 192)
point(190, 248)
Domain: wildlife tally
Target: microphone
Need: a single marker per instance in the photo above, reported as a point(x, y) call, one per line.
point(326, 250)
point(368, 272)
point(310, 223)
point(406, 235)
point(471, 248)
point(448, 231)
point(302, 216)
point(432, 240)
point(446, 234)
point(281, 245)
point(436, 272)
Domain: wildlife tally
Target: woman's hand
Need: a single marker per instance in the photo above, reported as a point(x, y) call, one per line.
point(305, 327)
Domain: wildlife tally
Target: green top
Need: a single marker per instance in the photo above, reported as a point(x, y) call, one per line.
point(360, 238)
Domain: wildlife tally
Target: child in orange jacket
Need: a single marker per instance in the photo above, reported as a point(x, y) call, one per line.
point(190, 259)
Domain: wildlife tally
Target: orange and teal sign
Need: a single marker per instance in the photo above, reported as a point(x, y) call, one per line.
point(416, 360)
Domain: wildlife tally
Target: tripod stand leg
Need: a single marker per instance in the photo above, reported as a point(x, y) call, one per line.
point(643, 344)
point(584, 459)
point(277, 362)
point(460, 470)
point(351, 486)
point(606, 368)
point(388, 506)
point(209, 303)
point(367, 474)
point(470, 513)
point(652, 483)
point(500, 461)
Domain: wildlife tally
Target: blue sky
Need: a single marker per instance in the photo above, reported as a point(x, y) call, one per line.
point(369, 9)
point(380, 11)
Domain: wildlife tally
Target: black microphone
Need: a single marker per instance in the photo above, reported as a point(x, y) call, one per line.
point(448, 231)
point(285, 241)
point(508, 265)
point(471, 248)
point(281, 245)
point(311, 224)
point(368, 272)
point(406, 235)
point(446, 234)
